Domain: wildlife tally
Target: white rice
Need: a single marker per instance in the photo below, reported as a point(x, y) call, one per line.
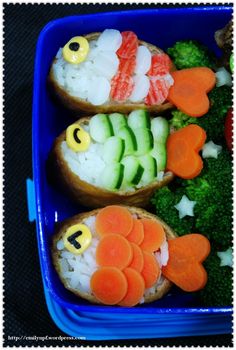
point(78, 269)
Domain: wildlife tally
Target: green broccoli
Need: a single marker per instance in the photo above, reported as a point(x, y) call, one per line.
point(215, 206)
point(212, 191)
point(164, 201)
point(219, 288)
point(188, 53)
point(213, 121)
point(180, 120)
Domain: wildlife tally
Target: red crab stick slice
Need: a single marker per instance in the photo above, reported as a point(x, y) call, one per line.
point(158, 91)
point(121, 87)
point(129, 45)
point(160, 65)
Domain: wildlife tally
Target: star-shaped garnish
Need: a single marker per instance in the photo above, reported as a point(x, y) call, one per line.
point(185, 207)
point(226, 257)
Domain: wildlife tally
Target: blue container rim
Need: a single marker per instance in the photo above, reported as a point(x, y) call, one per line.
point(35, 161)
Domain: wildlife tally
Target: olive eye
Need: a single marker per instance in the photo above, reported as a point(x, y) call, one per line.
point(76, 50)
point(77, 238)
point(77, 138)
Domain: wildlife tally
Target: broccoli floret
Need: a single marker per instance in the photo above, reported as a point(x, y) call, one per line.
point(219, 288)
point(180, 120)
point(164, 201)
point(214, 206)
point(188, 53)
point(213, 121)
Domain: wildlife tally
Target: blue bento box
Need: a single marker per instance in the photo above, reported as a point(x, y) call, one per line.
point(163, 27)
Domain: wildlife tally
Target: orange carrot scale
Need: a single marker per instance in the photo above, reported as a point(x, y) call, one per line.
point(137, 233)
point(109, 285)
point(154, 235)
point(151, 270)
point(137, 261)
point(135, 289)
point(114, 219)
point(114, 250)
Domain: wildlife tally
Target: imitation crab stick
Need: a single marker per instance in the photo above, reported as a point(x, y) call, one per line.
point(154, 235)
point(151, 270)
point(184, 266)
point(137, 233)
point(160, 65)
point(136, 287)
point(109, 285)
point(114, 250)
point(129, 45)
point(137, 261)
point(114, 219)
point(182, 151)
point(190, 88)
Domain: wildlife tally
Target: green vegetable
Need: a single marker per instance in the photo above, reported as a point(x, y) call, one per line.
point(213, 121)
point(212, 191)
point(218, 290)
point(165, 200)
point(188, 54)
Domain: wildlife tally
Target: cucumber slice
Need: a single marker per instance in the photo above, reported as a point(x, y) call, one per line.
point(100, 128)
point(113, 149)
point(150, 168)
point(160, 154)
point(139, 119)
point(144, 139)
point(112, 176)
point(127, 135)
point(133, 170)
point(118, 121)
point(160, 129)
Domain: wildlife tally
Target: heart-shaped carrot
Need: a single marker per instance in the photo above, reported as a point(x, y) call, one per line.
point(182, 151)
point(190, 88)
point(184, 267)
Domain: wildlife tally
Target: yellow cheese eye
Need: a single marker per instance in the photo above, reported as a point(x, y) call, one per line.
point(77, 238)
point(77, 138)
point(76, 50)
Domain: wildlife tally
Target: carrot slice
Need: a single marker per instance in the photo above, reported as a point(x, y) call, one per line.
point(137, 262)
point(109, 285)
point(137, 233)
point(184, 266)
point(114, 219)
point(189, 92)
point(151, 270)
point(136, 287)
point(182, 151)
point(114, 250)
point(154, 235)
